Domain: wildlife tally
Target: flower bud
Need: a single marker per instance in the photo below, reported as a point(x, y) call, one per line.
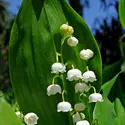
point(53, 89)
point(81, 87)
point(31, 119)
point(95, 97)
point(89, 76)
point(70, 30)
point(72, 41)
point(86, 54)
point(58, 68)
point(79, 107)
point(65, 29)
point(77, 117)
point(84, 122)
point(18, 114)
point(74, 74)
point(64, 107)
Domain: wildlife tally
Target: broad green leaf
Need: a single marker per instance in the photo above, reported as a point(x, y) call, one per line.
point(107, 113)
point(34, 38)
point(7, 115)
point(104, 113)
point(122, 12)
point(120, 113)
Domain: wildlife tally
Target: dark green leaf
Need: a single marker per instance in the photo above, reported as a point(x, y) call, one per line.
point(106, 88)
point(110, 71)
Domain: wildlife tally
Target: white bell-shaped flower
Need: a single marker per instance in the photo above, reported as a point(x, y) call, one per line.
point(81, 87)
point(74, 74)
point(64, 107)
point(79, 107)
point(58, 68)
point(86, 54)
point(72, 41)
point(18, 114)
point(31, 119)
point(89, 76)
point(83, 122)
point(95, 97)
point(77, 117)
point(65, 29)
point(53, 89)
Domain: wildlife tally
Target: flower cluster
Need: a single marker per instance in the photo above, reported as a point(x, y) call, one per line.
point(81, 79)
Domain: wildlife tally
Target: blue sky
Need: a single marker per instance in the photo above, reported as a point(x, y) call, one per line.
point(89, 14)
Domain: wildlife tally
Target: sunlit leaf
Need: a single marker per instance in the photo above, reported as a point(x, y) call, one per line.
point(120, 113)
point(104, 113)
point(7, 115)
point(122, 12)
point(107, 113)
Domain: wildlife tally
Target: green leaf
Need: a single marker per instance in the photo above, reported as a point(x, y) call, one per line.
point(106, 88)
point(107, 113)
point(113, 69)
point(104, 113)
point(35, 38)
point(122, 48)
point(114, 88)
point(120, 113)
point(122, 12)
point(7, 115)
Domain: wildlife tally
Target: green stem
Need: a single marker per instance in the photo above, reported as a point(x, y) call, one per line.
point(70, 63)
point(63, 98)
point(95, 121)
point(87, 68)
point(121, 38)
point(62, 42)
point(92, 87)
point(53, 80)
point(80, 115)
point(62, 76)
